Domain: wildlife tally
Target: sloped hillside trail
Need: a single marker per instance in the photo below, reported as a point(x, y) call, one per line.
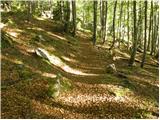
point(92, 93)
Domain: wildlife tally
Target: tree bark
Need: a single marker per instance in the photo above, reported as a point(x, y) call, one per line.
point(134, 50)
point(74, 17)
point(128, 24)
point(67, 19)
point(150, 27)
point(105, 21)
point(140, 26)
point(120, 23)
point(145, 36)
point(114, 15)
point(94, 21)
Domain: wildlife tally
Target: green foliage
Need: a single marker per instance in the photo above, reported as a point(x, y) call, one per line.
point(6, 40)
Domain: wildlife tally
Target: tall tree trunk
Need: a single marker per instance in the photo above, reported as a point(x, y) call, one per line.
point(29, 10)
point(134, 49)
point(114, 15)
point(102, 21)
point(105, 21)
point(124, 24)
point(153, 31)
point(140, 25)
point(128, 24)
point(74, 17)
point(120, 23)
point(157, 35)
point(94, 21)
point(67, 19)
point(145, 36)
point(150, 26)
point(101, 18)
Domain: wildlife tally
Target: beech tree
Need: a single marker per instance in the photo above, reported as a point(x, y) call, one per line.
point(94, 21)
point(134, 49)
point(145, 36)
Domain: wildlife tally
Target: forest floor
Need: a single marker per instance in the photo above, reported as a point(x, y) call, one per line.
point(89, 91)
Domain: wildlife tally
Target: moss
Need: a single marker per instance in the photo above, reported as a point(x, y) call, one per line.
point(66, 85)
point(121, 91)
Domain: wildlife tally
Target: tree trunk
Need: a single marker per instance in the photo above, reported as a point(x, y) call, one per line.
point(66, 26)
point(133, 54)
point(140, 26)
point(94, 21)
point(114, 15)
point(150, 26)
point(29, 10)
point(128, 24)
point(153, 33)
point(105, 21)
point(120, 23)
point(74, 17)
point(145, 36)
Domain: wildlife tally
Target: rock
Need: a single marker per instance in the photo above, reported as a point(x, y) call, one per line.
point(39, 38)
point(42, 53)
point(111, 68)
point(54, 87)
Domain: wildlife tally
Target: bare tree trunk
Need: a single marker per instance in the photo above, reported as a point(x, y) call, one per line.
point(66, 26)
point(128, 24)
point(150, 26)
point(29, 10)
point(140, 26)
point(120, 23)
point(114, 15)
point(134, 49)
point(153, 33)
point(145, 36)
point(94, 21)
point(105, 21)
point(74, 17)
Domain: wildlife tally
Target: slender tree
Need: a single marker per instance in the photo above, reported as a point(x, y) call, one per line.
point(74, 17)
point(150, 27)
point(128, 24)
point(140, 25)
point(94, 21)
point(67, 17)
point(153, 32)
point(29, 12)
point(102, 19)
point(114, 15)
point(145, 36)
point(105, 21)
point(120, 22)
point(134, 49)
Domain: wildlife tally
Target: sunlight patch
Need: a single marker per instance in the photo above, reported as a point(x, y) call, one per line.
point(68, 59)
point(35, 28)
point(50, 75)
point(97, 98)
point(60, 37)
point(2, 25)
point(13, 34)
point(59, 63)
